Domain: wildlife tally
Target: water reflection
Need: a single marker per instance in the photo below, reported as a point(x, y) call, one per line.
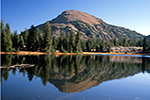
point(75, 73)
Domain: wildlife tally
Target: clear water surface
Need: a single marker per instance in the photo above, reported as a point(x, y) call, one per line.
point(75, 78)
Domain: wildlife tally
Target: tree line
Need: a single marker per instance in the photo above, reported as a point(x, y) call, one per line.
point(35, 40)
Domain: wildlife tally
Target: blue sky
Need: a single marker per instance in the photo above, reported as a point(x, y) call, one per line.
point(132, 14)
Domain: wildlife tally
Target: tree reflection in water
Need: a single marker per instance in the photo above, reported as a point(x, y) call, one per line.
point(75, 73)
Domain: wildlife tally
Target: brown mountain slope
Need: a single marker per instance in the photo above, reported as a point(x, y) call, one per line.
point(88, 26)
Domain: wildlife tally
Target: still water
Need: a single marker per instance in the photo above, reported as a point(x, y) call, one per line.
point(75, 78)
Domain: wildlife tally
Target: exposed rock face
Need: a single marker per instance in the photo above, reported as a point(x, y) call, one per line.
point(88, 26)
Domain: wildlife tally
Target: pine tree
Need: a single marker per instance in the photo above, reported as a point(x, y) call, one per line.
point(38, 43)
point(54, 43)
point(21, 42)
point(62, 41)
point(124, 42)
point(25, 36)
point(41, 39)
point(67, 41)
point(97, 47)
point(65, 44)
point(115, 41)
point(3, 38)
point(2, 27)
point(102, 45)
point(58, 43)
point(72, 41)
point(89, 44)
point(31, 40)
point(78, 42)
point(47, 37)
point(8, 41)
point(15, 40)
point(144, 44)
point(83, 45)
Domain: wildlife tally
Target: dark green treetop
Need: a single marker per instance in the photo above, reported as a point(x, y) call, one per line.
point(8, 41)
point(31, 40)
point(47, 37)
point(78, 42)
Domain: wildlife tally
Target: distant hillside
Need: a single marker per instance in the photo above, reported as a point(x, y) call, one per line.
point(88, 26)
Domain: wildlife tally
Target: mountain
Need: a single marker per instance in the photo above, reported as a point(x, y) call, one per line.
point(88, 26)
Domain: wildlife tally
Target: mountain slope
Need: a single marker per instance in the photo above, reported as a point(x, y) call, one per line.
point(88, 26)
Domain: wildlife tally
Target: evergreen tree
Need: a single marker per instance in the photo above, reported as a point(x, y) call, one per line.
point(41, 39)
point(97, 44)
point(138, 43)
point(3, 38)
point(67, 41)
point(47, 37)
point(83, 45)
point(15, 40)
point(97, 47)
point(31, 40)
point(65, 44)
point(8, 41)
point(62, 41)
point(89, 44)
point(120, 43)
point(25, 36)
point(54, 44)
point(129, 42)
point(133, 43)
point(2, 27)
point(21, 42)
point(144, 44)
point(78, 42)
point(72, 41)
point(108, 48)
point(102, 45)
point(58, 43)
point(115, 41)
point(124, 42)
point(38, 42)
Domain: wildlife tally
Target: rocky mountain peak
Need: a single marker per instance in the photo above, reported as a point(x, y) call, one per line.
point(73, 15)
point(88, 26)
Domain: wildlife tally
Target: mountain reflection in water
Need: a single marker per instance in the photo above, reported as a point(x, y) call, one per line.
point(75, 73)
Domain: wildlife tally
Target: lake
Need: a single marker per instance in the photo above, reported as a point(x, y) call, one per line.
point(88, 77)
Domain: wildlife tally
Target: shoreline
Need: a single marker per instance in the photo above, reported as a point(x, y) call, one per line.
point(24, 53)
point(61, 53)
